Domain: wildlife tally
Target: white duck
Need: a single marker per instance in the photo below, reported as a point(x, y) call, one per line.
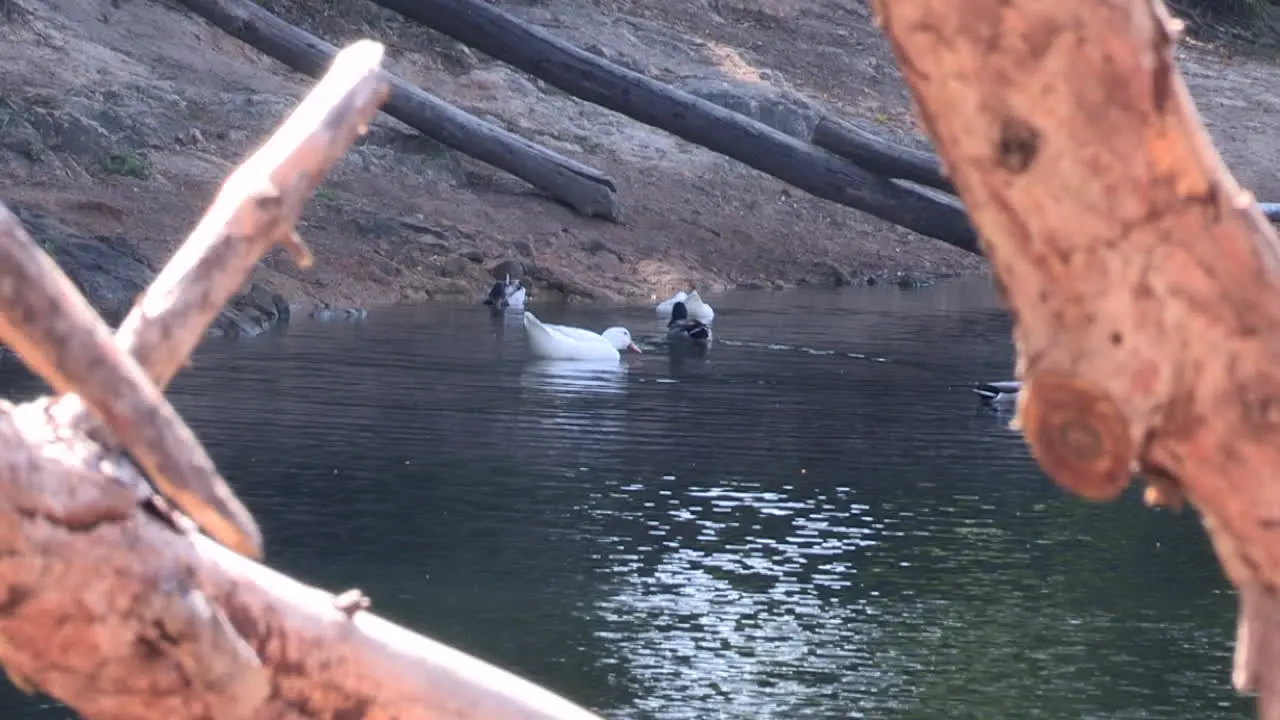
point(664, 308)
point(999, 393)
point(698, 309)
point(561, 342)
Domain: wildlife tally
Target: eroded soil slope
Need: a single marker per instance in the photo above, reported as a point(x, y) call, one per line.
point(119, 118)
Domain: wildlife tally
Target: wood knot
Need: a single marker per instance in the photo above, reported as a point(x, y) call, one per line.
point(1162, 490)
point(1077, 434)
point(1018, 145)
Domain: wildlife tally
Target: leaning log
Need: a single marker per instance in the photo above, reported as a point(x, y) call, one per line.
point(584, 189)
point(812, 169)
point(879, 155)
point(113, 602)
point(1144, 282)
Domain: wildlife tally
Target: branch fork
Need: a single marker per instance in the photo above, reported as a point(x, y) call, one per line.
point(110, 600)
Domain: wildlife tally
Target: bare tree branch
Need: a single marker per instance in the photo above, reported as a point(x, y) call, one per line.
point(117, 606)
point(49, 324)
point(257, 207)
point(1143, 281)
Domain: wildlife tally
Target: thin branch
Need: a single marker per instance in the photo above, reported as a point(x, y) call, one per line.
point(115, 613)
point(54, 330)
point(258, 206)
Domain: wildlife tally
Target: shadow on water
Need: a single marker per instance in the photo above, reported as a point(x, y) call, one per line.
point(809, 524)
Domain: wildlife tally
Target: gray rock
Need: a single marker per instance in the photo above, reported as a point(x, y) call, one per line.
point(252, 313)
point(832, 274)
point(911, 281)
point(328, 313)
point(111, 274)
point(512, 268)
point(108, 270)
point(523, 247)
point(105, 132)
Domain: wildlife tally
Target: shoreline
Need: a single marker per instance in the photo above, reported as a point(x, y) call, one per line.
point(120, 126)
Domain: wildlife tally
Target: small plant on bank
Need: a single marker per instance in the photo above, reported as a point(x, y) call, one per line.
point(33, 152)
point(324, 194)
point(127, 164)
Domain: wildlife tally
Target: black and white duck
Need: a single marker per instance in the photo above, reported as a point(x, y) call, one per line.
point(685, 334)
point(1000, 393)
point(506, 295)
point(695, 306)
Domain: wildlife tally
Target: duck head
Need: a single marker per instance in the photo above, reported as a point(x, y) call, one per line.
point(679, 313)
point(620, 337)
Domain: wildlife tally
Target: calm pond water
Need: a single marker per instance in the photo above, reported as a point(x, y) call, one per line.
point(810, 525)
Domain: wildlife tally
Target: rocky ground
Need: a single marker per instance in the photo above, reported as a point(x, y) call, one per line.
point(119, 118)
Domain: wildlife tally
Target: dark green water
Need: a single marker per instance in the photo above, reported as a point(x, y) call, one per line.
point(811, 526)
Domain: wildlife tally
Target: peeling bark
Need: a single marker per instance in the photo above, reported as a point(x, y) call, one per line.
point(1144, 283)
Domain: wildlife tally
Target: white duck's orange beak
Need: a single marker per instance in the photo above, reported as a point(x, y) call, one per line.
point(634, 348)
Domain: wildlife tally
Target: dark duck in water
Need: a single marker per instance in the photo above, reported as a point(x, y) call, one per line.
point(1001, 393)
point(503, 295)
point(686, 335)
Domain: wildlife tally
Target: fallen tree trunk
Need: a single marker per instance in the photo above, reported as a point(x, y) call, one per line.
point(1143, 281)
point(879, 155)
point(584, 189)
point(698, 121)
point(113, 603)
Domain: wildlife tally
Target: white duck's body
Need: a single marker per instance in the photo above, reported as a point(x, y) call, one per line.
point(664, 308)
point(515, 301)
point(1000, 392)
point(561, 342)
point(698, 309)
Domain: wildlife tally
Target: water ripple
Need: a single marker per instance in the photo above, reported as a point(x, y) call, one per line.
point(810, 524)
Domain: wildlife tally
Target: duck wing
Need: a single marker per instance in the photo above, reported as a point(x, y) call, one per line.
point(664, 307)
point(680, 330)
point(573, 334)
point(698, 308)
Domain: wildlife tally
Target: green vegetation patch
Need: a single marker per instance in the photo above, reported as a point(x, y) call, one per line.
point(127, 164)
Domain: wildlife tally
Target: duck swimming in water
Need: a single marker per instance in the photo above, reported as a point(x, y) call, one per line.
point(508, 294)
point(685, 334)
point(1000, 393)
point(561, 342)
point(697, 308)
